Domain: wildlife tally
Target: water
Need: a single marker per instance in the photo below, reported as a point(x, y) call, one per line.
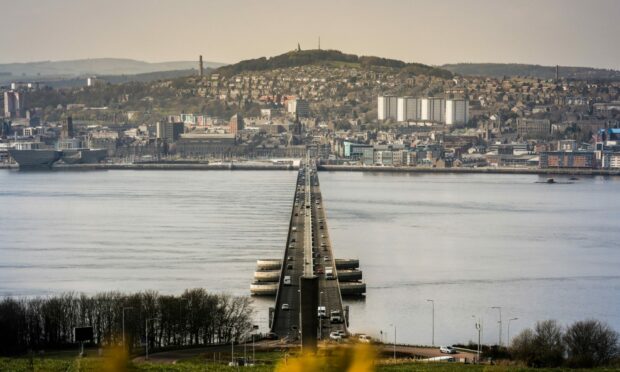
point(468, 242)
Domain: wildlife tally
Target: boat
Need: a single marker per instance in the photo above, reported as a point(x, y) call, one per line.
point(34, 155)
point(35, 158)
point(550, 180)
point(83, 156)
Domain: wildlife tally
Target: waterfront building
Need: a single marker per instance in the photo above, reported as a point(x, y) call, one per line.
point(203, 145)
point(235, 124)
point(169, 132)
point(567, 159)
point(67, 129)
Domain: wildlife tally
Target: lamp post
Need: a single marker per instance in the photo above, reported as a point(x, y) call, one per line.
point(321, 316)
point(479, 328)
point(508, 339)
point(499, 308)
point(125, 308)
point(147, 337)
point(394, 325)
point(433, 303)
point(232, 346)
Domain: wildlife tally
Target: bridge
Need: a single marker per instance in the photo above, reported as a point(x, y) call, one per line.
point(308, 281)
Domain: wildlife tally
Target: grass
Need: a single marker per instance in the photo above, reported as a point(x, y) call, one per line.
point(266, 362)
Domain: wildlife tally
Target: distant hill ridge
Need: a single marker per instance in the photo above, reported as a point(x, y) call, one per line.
point(317, 56)
point(536, 71)
point(96, 66)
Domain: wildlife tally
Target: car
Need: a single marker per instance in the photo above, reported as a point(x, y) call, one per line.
point(287, 280)
point(322, 236)
point(293, 240)
point(271, 336)
point(334, 317)
point(289, 267)
point(447, 350)
point(290, 258)
point(322, 312)
point(326, 258)
point(285, 307)
point(335, 336)
point(364, 339)
point(296, 214)
point(291, 246)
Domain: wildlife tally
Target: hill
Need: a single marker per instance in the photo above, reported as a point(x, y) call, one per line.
point(536, 71)
point(316, 56)
point(95, 66)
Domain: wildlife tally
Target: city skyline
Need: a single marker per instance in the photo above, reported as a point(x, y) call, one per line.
point(569, 33)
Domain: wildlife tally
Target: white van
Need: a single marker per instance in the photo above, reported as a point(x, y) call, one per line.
point(287, 280)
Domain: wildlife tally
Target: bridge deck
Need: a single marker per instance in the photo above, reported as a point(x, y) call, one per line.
point(308, 248)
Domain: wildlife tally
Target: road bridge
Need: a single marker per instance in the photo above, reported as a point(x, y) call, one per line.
point(308, 254)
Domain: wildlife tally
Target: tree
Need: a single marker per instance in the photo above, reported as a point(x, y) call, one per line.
point(591, 343)
point(541, 347)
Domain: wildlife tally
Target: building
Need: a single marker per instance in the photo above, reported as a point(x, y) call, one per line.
point(67, 129)
point(408, 108)
point(14, 104)
point(298, 107)
point(432, 109)
point(235, 124)
point(206, 145)
point(354, 150)
point(611, 160)
point(169, 132)
point(533, 128)
point(94, 81)
point(457, 111)
point(567, 159)
point(387, 107)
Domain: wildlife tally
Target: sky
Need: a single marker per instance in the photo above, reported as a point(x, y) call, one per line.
point(547, 32)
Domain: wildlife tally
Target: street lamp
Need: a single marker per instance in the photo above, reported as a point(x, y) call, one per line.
point(499, 308)
point(125, 308)
point(479, 328)
point(508, 340)
point(394, 325)
point(147, 337)
point(321, 316)
point(433, 303)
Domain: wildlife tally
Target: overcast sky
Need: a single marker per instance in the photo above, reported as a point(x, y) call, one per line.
point(549, 32)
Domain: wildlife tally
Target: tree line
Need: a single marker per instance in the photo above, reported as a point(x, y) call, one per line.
point(583, 344)
point(196, 317)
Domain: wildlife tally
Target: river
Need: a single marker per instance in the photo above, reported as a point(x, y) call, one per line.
point(468, 242)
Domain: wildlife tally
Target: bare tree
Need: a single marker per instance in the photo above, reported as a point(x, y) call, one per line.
point(591, 343)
